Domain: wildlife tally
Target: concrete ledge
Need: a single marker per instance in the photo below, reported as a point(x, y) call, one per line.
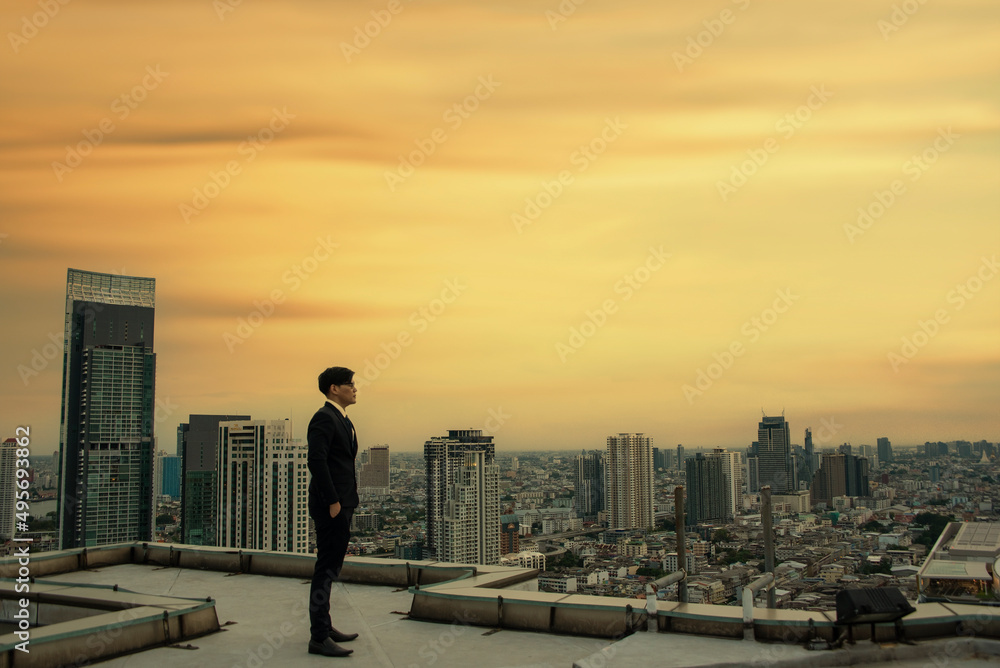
point(712, 620)
point(73, 625)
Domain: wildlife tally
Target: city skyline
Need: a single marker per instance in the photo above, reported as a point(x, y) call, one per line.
point(688, 213)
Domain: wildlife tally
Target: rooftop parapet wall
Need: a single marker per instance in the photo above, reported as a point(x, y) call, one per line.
point(495, 596)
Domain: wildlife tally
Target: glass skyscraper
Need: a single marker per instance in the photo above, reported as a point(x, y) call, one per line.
point(106, 426)
point(774, 455)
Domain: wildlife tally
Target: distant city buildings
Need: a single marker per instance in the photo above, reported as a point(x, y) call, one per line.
point(106, 428)
point(463, 496)
point(198, 447)
point(840, 475)
point(262, 487)
point(629, 474)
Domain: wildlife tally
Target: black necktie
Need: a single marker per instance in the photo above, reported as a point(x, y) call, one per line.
point(351, 425)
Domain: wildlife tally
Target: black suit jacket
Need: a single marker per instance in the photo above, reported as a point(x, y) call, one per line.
point(332, 450)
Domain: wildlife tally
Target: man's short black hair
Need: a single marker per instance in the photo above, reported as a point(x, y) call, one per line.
point(335, 375)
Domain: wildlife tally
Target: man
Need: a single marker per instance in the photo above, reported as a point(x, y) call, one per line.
point(333, 496)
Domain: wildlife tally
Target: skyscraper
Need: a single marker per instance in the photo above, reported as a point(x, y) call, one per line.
point(588, 480)
point(262, 490)
point(884, 449)
point(774, 455)
point(732, 473)
point(470, 522)
point(680, 457)
point(444, 458)
point(373, 474)
point(198, 447)
point(629, 474)
point(106, 426)
point(811, 464)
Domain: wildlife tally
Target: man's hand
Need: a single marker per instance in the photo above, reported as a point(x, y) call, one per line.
point(334, 509)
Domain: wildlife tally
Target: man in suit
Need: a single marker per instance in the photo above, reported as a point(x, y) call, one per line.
point(333, 496)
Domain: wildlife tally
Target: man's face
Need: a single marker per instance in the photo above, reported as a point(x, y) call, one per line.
point(344, 394)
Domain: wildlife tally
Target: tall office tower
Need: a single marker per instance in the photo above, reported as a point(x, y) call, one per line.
point(373, 476)
point(774, 454)
point(810, 462)
point(470, 521)
point(656, 458)
point(706, 491)
point(262, 491)
point(732, 472)
point(884, 448)
point(106, 426)
point(845, 449)
point(443, 457)
point(629, 475)
point(198, 447)
point(8, 482)
point(166, 476)
point(680, 457)
point(668, 458)
point(588, 480)
point(839, 475)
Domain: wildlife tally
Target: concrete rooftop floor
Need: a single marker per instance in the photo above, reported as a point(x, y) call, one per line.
point(266, 624)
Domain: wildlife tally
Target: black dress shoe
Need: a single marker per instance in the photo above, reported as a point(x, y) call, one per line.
point(337, 636)
point(328, 648)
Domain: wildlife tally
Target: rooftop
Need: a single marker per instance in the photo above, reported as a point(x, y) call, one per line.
point(412, 614)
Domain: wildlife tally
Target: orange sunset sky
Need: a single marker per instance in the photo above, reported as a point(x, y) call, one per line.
point(551, 221)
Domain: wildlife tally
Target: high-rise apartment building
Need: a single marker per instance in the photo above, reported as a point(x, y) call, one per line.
point(8, 482)
point(470, 523)
point(262, 487)
point(588, 481)
point(732, 472)
point(106, 425)
point(884, 450)
point(198, 448)
point(373, 472)
point(774, 455)
point(445, 460)
point(706, 491)
point(629, 475)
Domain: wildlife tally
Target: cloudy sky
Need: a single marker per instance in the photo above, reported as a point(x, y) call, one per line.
point(549, 221)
